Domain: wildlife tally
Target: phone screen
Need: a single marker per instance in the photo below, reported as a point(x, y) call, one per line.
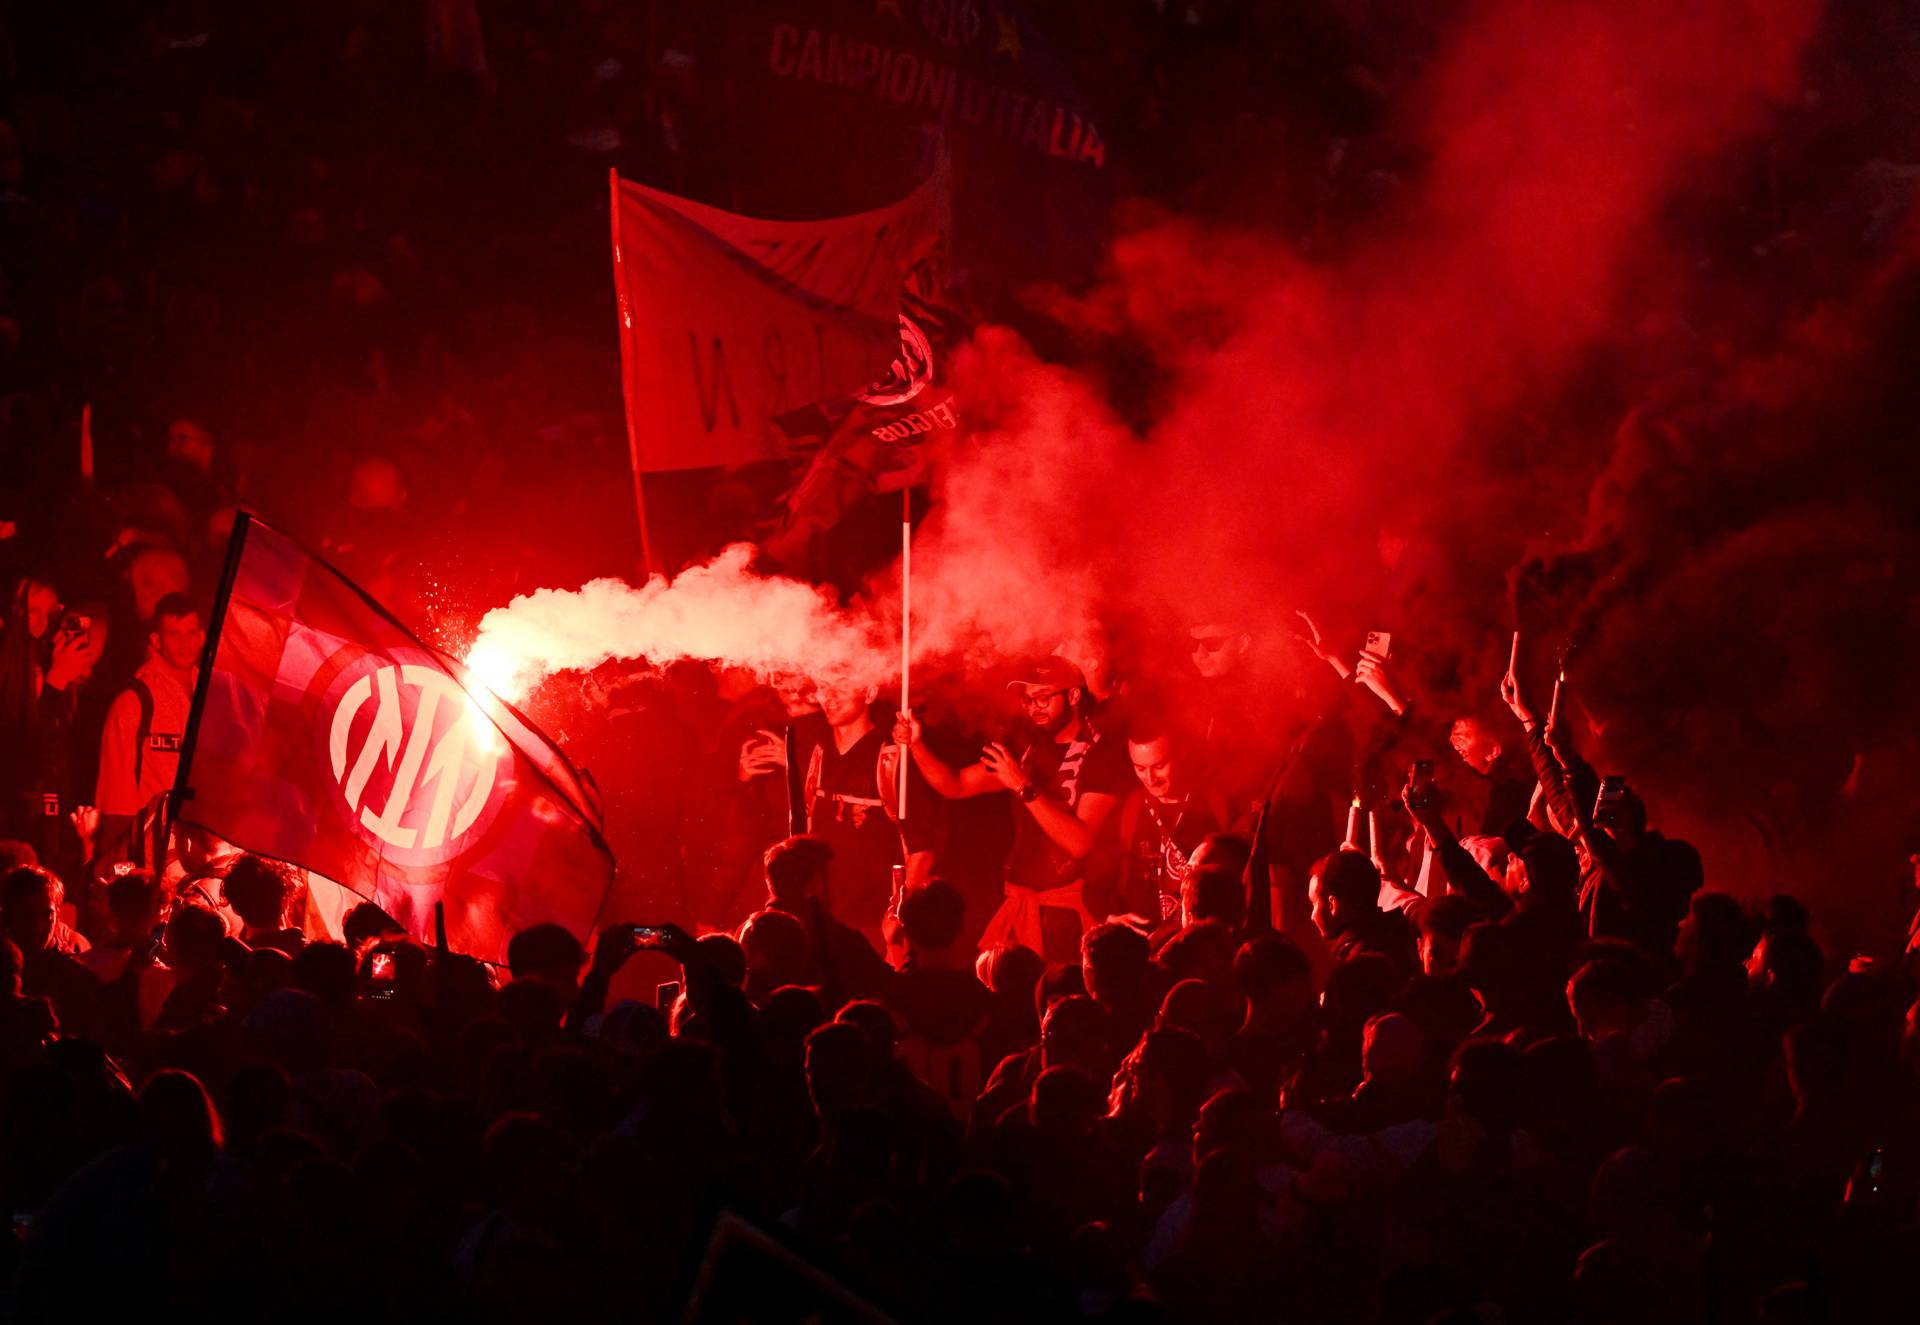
point(1606, 805)
point(1420, 784)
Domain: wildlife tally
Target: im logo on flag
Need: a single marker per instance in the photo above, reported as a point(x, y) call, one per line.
point(326, 734)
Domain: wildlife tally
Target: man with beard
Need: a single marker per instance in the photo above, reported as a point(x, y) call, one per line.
point(1067, 781)
point(851, 790)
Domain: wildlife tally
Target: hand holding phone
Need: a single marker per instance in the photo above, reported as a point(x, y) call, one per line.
point(1607, 804)
point(380, 974)
point(70, 644)
point(667, 938)
point(1420, 788)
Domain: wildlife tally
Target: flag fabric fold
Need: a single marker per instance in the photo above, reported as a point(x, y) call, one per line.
point(326, 734)
point(729, 321)
point(879, 439)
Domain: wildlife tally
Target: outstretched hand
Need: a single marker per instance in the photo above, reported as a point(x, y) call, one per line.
point(86, 823)
point(1311, 638)
point(1000, 761)
point(1373, 673)
point(611, 949)
point(765, 752)
point(1511, 696)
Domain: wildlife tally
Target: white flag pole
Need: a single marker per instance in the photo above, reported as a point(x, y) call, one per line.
point(906, 624)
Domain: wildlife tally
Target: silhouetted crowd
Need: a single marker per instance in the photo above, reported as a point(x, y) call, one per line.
point(1164, 992)
point(1502, 1052)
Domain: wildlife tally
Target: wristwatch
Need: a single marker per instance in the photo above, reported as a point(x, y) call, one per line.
point(1030, 793)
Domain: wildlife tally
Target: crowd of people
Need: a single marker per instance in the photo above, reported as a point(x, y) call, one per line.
point(1160, 995)
point(1500, 1049)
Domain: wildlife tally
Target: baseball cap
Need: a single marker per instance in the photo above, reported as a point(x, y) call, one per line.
point(1051, 671)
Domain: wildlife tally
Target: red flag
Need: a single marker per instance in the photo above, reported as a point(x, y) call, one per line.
point(877, 440)
point(326, 734)
point(728, 321)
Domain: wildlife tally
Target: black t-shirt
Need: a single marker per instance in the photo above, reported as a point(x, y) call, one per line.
point(1161, 839)
point(1092, 764)
point(847, 806)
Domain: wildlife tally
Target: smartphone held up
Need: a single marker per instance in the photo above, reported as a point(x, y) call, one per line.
point(1608, 803)
point(1420, 785)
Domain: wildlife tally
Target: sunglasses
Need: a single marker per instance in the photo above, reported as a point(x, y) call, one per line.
point(1041, 700)
point(1211, 643)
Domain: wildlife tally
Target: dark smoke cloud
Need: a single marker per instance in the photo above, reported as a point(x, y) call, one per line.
point(1527, 372)
point(1576, 365)
point(1324, 426)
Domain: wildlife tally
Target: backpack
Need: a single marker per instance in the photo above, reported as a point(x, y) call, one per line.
point(144, 695)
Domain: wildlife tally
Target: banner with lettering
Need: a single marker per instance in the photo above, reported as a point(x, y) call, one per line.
point(977, 79)
point(326, 734)
point(882, 438)
point(729, 321)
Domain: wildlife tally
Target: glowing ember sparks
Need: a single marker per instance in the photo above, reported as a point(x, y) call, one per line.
point(499, 672)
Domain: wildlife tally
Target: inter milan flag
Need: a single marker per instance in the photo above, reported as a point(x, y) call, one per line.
point(326, 734)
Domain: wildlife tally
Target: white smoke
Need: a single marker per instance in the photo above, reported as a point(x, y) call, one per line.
point(721, 612)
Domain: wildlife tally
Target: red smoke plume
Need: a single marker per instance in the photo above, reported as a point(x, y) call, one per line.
point(1506, 357)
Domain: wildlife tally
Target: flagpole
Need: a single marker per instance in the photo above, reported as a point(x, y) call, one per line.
point(209, 648)
point(906, 623)
point(624, 312)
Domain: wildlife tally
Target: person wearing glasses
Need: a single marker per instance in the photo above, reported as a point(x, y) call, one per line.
point(1226, 720)
point(1219, 650)
point(1067, 780)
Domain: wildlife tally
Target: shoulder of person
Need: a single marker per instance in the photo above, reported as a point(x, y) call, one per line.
point(1012, 1069)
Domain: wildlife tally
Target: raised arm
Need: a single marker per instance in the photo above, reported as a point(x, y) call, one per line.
point(1373, 673)
point(1311, 638)
point(1455, 861)
point(1561, 806)
point(954, 784)
point(1073, 828)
